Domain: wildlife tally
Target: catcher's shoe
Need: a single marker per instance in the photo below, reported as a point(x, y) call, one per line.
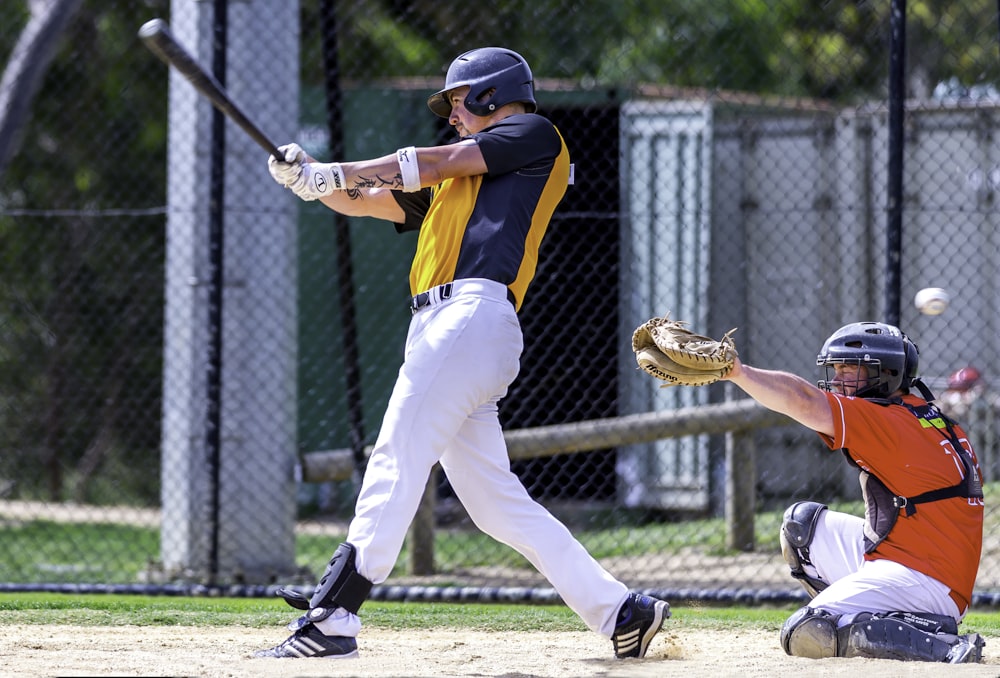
point(309, 641)
point(639, 619)
point(968, 650)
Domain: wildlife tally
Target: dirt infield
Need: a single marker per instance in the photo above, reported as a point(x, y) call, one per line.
point(225, 653)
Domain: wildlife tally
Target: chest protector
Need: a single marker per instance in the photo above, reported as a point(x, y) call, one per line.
point(882, 505)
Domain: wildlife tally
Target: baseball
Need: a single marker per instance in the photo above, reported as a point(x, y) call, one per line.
point(931, 301)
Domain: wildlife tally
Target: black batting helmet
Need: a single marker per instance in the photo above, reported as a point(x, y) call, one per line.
point(889, 354)
point(496, 76)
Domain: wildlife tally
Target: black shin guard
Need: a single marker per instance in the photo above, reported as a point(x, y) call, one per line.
point(894, 635)
point(912, 637)
point(893, 639)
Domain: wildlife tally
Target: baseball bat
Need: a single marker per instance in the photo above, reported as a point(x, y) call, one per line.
point(157, 37)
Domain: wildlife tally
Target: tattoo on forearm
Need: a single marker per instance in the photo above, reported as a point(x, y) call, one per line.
point(377, 181)
point(395, 182)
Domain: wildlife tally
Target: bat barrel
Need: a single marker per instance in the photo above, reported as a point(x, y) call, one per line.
point(153, 27)
point(156, 35)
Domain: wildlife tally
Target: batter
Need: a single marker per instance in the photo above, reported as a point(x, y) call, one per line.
point(481, 207)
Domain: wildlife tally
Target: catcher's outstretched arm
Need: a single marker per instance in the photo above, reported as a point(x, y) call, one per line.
point(786, 393)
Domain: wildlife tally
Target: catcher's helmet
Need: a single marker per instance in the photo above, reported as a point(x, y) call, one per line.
point(503, 71)
point(891, 358)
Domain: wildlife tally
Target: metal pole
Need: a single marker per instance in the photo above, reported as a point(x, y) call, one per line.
point(213, 424)
point(897, 100)
point(345, 269)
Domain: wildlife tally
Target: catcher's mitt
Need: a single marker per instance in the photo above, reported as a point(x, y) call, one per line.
point(669, 351)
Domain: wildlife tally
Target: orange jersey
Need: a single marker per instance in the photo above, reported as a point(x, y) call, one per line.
point(942, 539)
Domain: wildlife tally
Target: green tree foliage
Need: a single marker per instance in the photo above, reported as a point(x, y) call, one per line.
point(80, 303)
point(808, 48)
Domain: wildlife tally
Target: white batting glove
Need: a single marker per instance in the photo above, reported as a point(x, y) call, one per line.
point(308, 180)
point(287, 172)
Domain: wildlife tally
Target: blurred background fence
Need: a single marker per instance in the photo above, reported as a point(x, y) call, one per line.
point(193, 362)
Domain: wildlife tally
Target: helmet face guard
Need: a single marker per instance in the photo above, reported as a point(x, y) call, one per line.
point(870, 382)
point(495, 76)
point(888, 355)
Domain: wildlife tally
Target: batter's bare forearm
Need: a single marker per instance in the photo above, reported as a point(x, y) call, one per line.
point(366, 202)
point(363, 188)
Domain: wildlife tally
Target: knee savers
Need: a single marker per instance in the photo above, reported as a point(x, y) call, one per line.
point(810, 633)
point(798, 527)
point(340, 586)
point(816, 634)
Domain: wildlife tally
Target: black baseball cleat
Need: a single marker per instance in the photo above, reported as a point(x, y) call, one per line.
point(639, 619)
point(309, 641)
point(968, 650)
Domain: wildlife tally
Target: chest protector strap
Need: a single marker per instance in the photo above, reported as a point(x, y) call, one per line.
point(882, 505)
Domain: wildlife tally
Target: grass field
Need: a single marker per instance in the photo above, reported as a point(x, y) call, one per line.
point(115, 610)
point(37, 550)
point(51, 550)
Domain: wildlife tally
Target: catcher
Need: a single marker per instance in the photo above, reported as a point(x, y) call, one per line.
point(897, 583)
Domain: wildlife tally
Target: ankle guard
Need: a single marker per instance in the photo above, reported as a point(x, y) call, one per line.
point(340, 586)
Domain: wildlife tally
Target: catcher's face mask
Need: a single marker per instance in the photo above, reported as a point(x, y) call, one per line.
point(890, 356)
point(851, 376)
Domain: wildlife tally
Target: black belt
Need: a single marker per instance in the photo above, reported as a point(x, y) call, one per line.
point(425, 298)
point(443, 292)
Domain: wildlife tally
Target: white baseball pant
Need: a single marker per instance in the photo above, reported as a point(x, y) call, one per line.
point(857, 585)
point(462, 353)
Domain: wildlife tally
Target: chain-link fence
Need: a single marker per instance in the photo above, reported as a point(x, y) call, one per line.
point(193, 362)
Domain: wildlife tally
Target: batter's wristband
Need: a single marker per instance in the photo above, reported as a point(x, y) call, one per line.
point(409, 169)
point(335, 175)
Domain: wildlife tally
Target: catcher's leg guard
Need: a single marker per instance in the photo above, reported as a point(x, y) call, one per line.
point(901, 635)
point(340, 586)
point(798, 526)
point(930, 623)
point(810, 633)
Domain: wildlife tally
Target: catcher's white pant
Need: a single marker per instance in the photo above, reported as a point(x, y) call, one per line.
point(856, 585)
point(461, 355)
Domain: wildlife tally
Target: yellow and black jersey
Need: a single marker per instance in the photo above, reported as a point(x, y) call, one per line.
point(490, 226)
